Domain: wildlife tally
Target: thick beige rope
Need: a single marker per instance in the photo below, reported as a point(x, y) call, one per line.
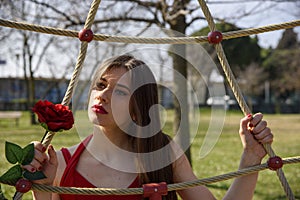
point(171, 40)
point(147, 40)
point(171, 187)
point(78, 67)
point(238, 94)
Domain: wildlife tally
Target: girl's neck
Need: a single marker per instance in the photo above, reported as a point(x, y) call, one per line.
point(111, 137)
point(113, 149)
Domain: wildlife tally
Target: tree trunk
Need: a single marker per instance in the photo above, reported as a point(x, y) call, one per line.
point(30, 80)
point(32, 97)
point(181, 120)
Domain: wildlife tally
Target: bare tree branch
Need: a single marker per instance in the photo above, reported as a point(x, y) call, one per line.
point(195, 19)
point(247, 1)
point(146, 4)
point(68, 18)
point(123, 18)
point(43, 53)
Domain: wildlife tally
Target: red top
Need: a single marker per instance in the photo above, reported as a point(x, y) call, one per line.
point(71, 178)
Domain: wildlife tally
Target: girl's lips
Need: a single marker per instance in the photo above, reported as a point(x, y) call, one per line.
point(99, 109)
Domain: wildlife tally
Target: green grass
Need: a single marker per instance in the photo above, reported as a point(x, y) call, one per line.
point(223, 158)
point(22, 135)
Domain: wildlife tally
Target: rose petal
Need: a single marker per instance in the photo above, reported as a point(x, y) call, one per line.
point(56, 116)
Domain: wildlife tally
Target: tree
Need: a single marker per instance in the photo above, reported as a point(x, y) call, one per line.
point(283, 71)
point(288, 40)
point(252, 82)
point(282, 66)
point(33, 50)
point(119, 16)
point(243, 55)
point(237, 50)
point(30, 44)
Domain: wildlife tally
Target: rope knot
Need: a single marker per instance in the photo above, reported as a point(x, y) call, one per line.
point(23, 185)
point(86, 35)
point(275, 163)
point(215, 37)
point(155, 190)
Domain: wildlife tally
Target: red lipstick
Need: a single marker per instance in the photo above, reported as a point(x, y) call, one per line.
point(99, 109)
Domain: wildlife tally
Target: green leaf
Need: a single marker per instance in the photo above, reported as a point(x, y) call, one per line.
point(34, 176)
point(13, 174)
point(28, 154)
point(2, 197)
point(45, 126)
point(13, 153)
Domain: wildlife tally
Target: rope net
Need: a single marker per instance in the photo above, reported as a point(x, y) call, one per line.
point(168, 40)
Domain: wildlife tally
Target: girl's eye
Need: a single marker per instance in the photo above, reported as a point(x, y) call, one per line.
point(120, 92)
point(100, 86)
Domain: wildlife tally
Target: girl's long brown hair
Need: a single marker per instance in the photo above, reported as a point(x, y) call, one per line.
point(143, 98)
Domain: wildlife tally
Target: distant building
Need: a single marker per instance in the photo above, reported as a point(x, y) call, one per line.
point(13, 91)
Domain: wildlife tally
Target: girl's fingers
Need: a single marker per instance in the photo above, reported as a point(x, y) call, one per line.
point(29, 168)
point(259, 127)
point(52, 156)
point(255, 119)
point(40, 156)
point(267, 139)
point(39, 151)
point(39, 146)
point(262, 134)
point(36, 164)
point(244, 123)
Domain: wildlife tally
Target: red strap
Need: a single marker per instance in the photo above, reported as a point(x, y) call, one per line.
point(71, 162)
point(155, 190)
point(66, 153)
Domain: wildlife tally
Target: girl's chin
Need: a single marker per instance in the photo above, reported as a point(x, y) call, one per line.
point(95, 122)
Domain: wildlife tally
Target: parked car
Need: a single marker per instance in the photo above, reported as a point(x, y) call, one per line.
point(221, 101)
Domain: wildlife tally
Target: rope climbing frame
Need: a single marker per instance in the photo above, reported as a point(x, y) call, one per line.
point(86, 36)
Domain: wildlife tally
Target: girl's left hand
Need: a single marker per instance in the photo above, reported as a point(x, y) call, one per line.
point(254, 132)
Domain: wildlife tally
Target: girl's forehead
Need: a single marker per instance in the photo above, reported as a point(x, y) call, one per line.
point(116, 74)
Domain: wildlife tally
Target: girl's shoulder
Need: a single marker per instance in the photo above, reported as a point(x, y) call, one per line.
point(62, 162)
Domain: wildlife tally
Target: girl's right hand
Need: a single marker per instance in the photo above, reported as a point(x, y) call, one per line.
point(43, 162)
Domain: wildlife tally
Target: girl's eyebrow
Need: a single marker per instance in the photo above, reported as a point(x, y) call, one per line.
point(103, 79)
point(123, 86)
point(118, 84)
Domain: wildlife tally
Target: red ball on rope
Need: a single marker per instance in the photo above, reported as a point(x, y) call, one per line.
point(275, 163)
point(23, 185)
point(86, 35)
point(214, 37)
point(155, 191)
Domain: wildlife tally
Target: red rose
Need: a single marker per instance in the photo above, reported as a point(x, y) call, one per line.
point(53, 117)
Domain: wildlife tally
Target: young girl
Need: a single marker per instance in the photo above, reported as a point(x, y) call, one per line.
point(127, 147)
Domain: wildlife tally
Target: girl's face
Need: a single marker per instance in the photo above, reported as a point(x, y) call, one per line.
point(109, 100)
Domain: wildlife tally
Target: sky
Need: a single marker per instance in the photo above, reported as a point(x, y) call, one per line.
point(263, 14)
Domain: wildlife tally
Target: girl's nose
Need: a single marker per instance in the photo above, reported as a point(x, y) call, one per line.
point(103, 96)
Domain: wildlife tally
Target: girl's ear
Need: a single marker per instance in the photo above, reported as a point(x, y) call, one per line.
point(133, 118)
